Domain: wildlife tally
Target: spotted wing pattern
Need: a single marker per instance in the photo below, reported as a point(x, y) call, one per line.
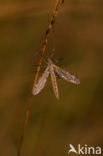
point(41, 82)
point(66, 75)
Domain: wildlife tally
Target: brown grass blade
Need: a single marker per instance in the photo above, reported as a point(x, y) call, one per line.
point(52, 22)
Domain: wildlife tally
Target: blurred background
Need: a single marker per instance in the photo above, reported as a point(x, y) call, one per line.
point(77, 118)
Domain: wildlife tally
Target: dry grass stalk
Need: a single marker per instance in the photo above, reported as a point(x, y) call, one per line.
point(55, 11)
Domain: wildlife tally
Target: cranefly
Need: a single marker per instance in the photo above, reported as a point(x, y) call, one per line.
point(52, 69)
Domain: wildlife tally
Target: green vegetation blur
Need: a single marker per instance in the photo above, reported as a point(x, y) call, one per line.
point(77, 118)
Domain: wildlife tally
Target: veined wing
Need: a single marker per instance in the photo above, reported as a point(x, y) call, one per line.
point(41, 82)
point(66, 75)
point(54, 83)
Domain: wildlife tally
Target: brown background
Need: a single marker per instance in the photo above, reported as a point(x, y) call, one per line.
point(77, 118)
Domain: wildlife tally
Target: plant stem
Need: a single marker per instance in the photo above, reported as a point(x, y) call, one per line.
point(55, 11)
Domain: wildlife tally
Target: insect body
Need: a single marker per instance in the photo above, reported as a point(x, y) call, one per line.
point(52, 69)
point(53, 79)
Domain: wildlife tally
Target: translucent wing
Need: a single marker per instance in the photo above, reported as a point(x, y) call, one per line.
point(54, 83)
point(41, 82)
point(66, 75)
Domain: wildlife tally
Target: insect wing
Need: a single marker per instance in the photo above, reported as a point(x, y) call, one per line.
point(66, 75)
point(54, 83)
point(41, 82)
